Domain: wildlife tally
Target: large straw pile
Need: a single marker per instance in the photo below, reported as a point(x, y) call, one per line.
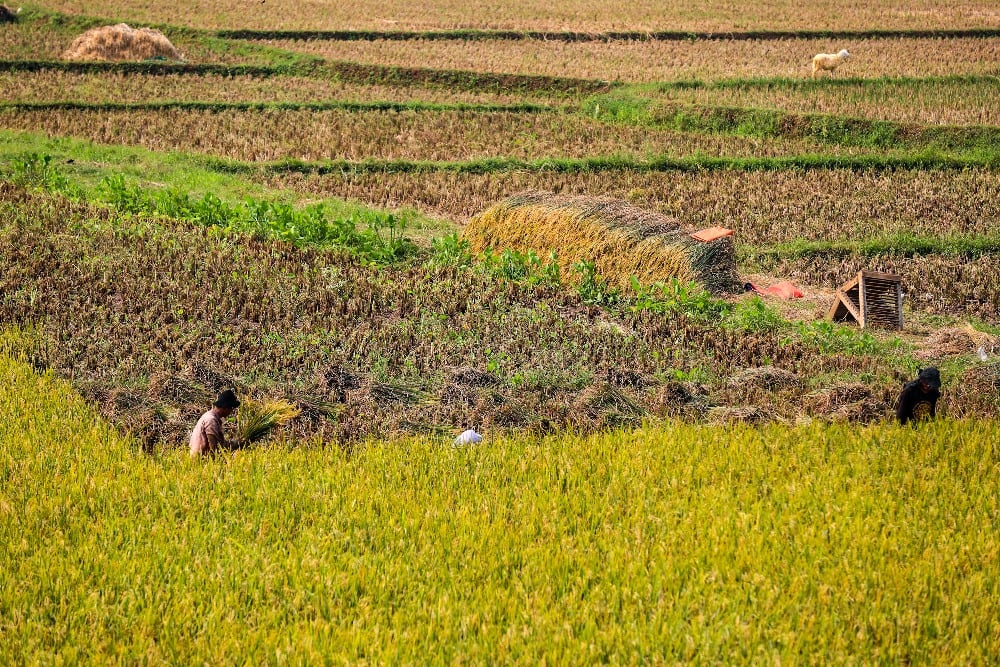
point(120, 42)
point(621, 240)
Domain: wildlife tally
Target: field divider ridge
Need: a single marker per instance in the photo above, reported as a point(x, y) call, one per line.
point(605, 164)
point(473, 35)
point(278, 106)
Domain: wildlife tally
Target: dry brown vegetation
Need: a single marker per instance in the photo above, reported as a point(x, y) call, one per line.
point(412, 135)
point(587, 15)
point(50, 85)
point(30, 40)
point(121, 42)
point(934, 283)
point(665, 61)
point(159, 315)
point(948, 102)
point(764, 208)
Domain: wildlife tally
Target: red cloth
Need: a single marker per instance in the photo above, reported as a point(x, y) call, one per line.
point(782, 290)
point(711, 234)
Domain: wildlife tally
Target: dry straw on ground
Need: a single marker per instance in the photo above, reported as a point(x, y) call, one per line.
point(622, 240)
point(121, 42)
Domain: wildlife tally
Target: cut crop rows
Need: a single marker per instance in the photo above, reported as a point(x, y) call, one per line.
point(664, 61)
point(375, 135)
point(581, 15)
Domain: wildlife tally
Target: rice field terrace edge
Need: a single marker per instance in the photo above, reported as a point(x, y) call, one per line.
point(564, 15)
point(352, 344)
point(418, 139)
point(664, 61)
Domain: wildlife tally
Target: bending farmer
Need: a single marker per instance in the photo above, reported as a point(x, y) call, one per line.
point(918, 400)
point(207, 435)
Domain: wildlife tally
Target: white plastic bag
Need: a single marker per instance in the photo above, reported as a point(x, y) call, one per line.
point(469, 437)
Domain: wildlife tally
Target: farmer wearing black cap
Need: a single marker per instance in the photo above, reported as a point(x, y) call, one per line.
point(918, 400)
point(207, 435)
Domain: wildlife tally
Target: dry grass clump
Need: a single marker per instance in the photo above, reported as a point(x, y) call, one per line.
point(956, 341)
point(122, 42)
point(850, 402)
point(622, 240)
point(765, 377)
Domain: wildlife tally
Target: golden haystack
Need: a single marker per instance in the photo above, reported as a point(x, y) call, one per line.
point(620, 239)
point(120, 42)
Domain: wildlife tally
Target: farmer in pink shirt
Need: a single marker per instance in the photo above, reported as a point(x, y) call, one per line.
point(207, 436)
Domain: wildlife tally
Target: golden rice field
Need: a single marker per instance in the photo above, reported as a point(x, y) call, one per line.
point(764, 207)
point(669, 476)
point(945, 102)
point(583, 15)
point(48, 86)
point(665, 61)
point(411, 135)
point(676, 544)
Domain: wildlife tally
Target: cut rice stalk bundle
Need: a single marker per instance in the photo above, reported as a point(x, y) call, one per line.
point(122, 42)
point(622, 240)
point(256, 419)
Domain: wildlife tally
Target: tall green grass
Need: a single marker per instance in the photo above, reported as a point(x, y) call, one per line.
point(820, 544)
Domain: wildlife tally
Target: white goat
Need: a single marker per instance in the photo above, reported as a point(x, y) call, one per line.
point(829, 61)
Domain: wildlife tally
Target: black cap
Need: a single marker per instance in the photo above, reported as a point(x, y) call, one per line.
point(227, 399)
point(931, 376)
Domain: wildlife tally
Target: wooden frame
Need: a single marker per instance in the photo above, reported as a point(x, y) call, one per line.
point(871, 299)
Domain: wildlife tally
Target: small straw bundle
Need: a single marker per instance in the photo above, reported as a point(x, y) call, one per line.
point(256, 419)
point(620, 239)
point(121, 42)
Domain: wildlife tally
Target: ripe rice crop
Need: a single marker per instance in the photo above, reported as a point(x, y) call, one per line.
point(53, 85)
point(585, 15)
point(665, 61)
point(765, 208)
point(767, 542)
point(945, 101)
point(408, 135)
point(622, 241)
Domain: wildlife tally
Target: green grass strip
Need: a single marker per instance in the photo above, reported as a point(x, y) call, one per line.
point(832, 129)
point(613, 163)
point(611, 36)
point(276, 106)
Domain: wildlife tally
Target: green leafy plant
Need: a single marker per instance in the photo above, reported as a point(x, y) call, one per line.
point(592, 288)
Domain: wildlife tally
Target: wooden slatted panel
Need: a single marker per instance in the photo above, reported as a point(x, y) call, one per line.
point(871, 299)
point(881, 299)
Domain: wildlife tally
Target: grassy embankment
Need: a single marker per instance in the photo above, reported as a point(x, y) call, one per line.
point(825, 543)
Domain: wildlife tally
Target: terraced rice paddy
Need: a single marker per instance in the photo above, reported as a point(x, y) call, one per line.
point(670, 474)
point(945, 101)
point(410, 135)
point(48, 86)
point(643, 61)
point(765, 208)
point(584, 15)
